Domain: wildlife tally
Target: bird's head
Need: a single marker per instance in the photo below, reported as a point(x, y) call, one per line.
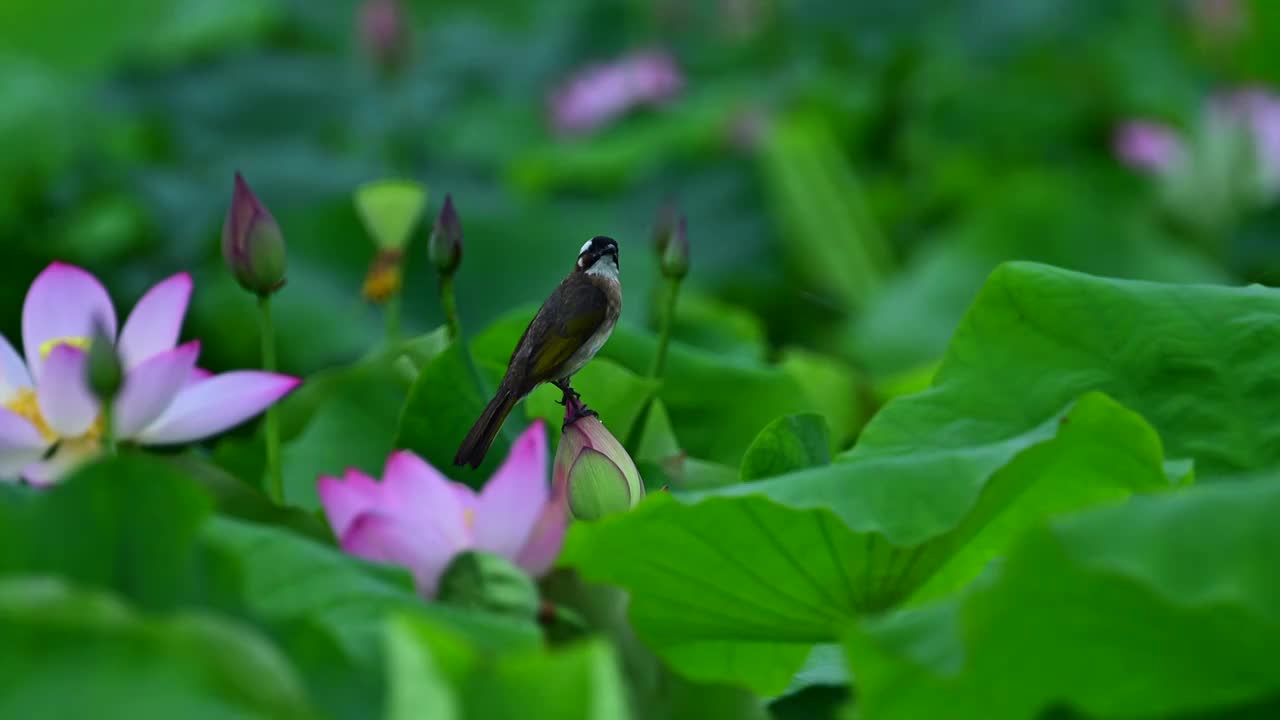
point(599, 256)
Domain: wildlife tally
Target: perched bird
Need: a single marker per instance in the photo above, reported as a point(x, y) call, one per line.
point(569, 329)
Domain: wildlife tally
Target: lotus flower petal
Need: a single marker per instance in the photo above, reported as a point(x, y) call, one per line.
point(62, 303)
point(512, 500)
point(216, 404)
point(156, 320)
point(382, 538)
point(151, 387)
point(63, 396)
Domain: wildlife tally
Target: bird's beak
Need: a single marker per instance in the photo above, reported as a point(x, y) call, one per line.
point(614, 253)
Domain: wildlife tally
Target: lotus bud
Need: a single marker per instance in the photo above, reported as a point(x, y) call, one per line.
point(675, 257)
point(489, 582)
point(663, 225)
point(103, 369)
point(251, 242)
point(595, 472)
point(445, 247)
point(384, 32)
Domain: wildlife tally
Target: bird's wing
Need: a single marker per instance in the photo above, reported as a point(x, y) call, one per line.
point(581, 307)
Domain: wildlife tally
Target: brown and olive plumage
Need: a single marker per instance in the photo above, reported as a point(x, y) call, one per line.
point(568, 330)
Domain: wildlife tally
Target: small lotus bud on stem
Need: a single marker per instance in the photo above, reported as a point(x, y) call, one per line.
point(663, 226)
point(445, 251)
point(675, 256)
point(384, 33)
point(252, 245)
point(445, 247)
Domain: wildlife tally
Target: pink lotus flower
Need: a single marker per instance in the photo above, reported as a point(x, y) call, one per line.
point(601, 93)
point(1256, 111)
point(1148, 146)
point(165, 400)
point(419, 519)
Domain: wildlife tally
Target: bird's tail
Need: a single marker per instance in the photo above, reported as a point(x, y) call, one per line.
point(477, 442)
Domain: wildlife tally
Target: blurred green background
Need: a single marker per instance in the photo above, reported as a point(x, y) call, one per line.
point(851, 170)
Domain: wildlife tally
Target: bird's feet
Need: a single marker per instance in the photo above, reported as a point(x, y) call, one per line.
point(570, 395)
point(574, 409)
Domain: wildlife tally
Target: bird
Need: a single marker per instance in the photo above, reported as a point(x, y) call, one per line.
point(566, 333)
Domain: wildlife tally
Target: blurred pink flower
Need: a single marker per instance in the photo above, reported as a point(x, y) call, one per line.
point(1147, 146)
point(419, 519)
point(1257, 111)
point(599, 94)
point(384, 32)
point(1221, 20)
point(45, 401)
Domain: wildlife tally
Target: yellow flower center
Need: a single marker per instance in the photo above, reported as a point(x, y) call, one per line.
point(26, 404)
point(74, 341)
point(469, 518)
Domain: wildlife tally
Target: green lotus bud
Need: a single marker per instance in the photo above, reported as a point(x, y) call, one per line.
point(663, 226)
point(251, 242)
point(675, 257)
point(103, 369)
point(488, 582)
point(445, 247)
point(595, 472)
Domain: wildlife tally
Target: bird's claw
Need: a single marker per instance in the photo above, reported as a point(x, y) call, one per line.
point(576, 414)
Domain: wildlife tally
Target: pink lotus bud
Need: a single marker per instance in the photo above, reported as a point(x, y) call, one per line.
point(594, 471)
point(251, 242)
point(384, 33)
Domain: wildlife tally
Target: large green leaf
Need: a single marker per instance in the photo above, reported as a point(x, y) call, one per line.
point(1164, 606)
point(125, 665)
point(1051, 217)
point(435, 674)
point(717, 404)
point(128, 524)
point(791, 443)
point(737, 583)
point(1199, 362)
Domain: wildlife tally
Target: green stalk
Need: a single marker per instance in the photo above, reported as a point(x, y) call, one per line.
point(450, 305)
point(393, 319)
point(109, 427)
point(275, 474)
point(667, 317)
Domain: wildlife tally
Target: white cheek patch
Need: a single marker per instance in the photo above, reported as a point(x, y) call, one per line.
point(585, 245)
point(582, 262)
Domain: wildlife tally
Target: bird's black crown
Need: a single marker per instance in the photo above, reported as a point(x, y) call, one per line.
point(596, 248)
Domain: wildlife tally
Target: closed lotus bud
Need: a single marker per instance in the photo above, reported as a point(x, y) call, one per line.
point(251, 242)
point(595, 472)
point(384, 32)
point(489, 582)
point(103, 368)
point(663, 226)
point(675, 257)
point(445, 247)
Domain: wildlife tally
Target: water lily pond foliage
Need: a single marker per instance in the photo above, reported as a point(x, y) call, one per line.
point(946, 382)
